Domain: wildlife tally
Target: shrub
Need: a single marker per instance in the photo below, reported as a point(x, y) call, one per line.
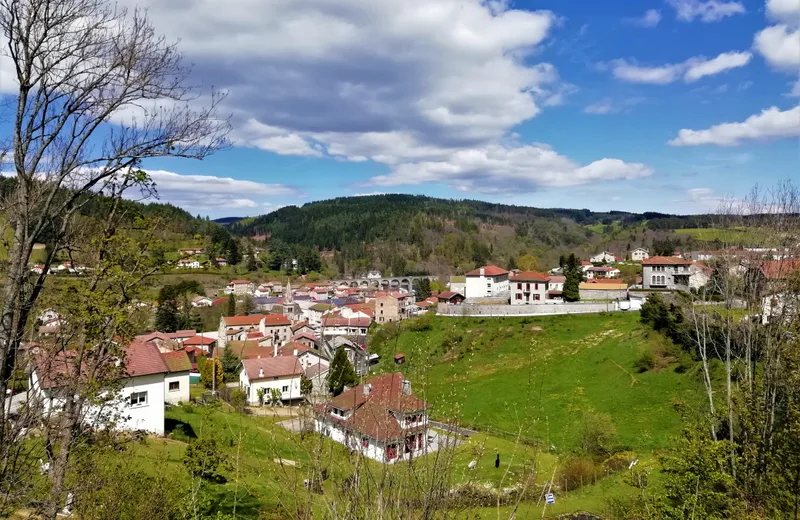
point(598, 433)
point(646, 361)
point(179, 434)
point(576, 472)
point(204, 459)
point(238, 399)
point(619, 461)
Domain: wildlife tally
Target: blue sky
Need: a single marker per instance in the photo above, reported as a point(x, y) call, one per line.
point(648, 105)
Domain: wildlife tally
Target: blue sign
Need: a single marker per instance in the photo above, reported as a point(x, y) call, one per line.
point(550, 498)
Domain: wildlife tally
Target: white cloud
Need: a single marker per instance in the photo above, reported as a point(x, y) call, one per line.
point(638, 74)
point(705, 10)
point(795, 92)
point(512, 168)
point(698, 68)
point(787, 11)
point(780, 46)
point(609, 106)
point(649, 19)
point(203, 194)
point(771, 123)
point(691, 69)
point(398, 82)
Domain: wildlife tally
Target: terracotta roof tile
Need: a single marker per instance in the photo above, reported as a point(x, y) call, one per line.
point(280, 366)
point(530, 276)
point(276, 320)
point(242, 321)
point(177, 361)
point(665, 260)
point(199, 340)
point(488, 270)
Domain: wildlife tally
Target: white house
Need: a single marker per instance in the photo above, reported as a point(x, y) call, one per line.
point(488, 281)
point(380, 418)
point(660, 272)
point(556, 283)
point(374, 275)
point(305, 355)
point(240, 287)
point(202, 301)
point(603, 258)
point(176, 382)
point(281, 373)
point(640, 254)
point(457, 284)
point(236, 328)
point(529, 287)
point(602, 272)
point(189, 263)
point(139, 405)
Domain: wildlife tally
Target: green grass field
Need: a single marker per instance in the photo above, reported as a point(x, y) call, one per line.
point(728, 236)
point(536, 376)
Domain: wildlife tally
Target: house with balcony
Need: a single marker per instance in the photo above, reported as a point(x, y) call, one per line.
point(380, 419)
point(672, 273)
point(488, 281)
point(529, 287)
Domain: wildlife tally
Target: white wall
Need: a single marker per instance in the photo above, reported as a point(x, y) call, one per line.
point(483, 286)
point(182, 394)
point(251, 388)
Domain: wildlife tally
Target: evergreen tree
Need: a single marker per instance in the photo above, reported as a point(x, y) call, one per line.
point(196, 321)
point(247, 305)
point(573, 276)
point(168, 319)
point(341, 373)
point(422, 288)
point(306, 386)
point(512, 263)
point(231, 305)
point(251, 260)
point(230, 364)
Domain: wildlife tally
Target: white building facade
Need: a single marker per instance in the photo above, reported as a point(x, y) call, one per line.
point(487, 282)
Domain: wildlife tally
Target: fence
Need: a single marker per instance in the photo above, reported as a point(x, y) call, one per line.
point(445, 309)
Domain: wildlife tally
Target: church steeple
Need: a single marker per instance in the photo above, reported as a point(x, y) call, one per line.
point(288, 295)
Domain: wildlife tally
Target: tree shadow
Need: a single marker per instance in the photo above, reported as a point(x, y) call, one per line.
point(247, 504)
point(179, 428)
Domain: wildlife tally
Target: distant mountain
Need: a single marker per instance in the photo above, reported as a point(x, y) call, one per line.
point(412, 233)
point(226, 221)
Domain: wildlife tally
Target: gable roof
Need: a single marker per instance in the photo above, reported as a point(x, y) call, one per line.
point(177, 361)
point(558, 279)
point(242, 321)
point(276, 320)
point(199, 340)
point(289, 348)
point(447, 295)
point(249, 349)
point(530, 276)
point(239, 282)
point(143, 359)
point(665, 260)
point(386, 390)
point(306, 335)
point(280, 366)
point(299, 325)
point(488, 270)
point(780, 269)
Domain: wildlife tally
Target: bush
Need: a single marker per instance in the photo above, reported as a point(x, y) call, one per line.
point(238, 399)
point(646, 361)
point(598, 433)
point(179, 434)
point(619, 461)
point(576, 472)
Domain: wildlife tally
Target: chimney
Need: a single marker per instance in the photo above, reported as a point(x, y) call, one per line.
point(367, 389)
point(406, 387)
point(294, 352)
point(274, 348)
point(481, 271)
point(260, 372)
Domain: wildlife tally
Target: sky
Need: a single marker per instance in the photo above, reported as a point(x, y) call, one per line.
point(662, 105)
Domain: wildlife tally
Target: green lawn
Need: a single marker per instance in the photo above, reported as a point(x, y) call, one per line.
point(734, 235)
point(537, 375)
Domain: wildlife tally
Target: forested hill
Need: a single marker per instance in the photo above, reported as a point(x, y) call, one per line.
point(412, 233)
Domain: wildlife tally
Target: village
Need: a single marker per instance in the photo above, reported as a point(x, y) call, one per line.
point(286, 345)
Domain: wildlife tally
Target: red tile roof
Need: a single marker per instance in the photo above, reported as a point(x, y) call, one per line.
point(289, 348)
point(306, 335)
point(780, 269)
point(558, 279)
point(199, 340)
point(300, 325)
point(488, 270)
point(530, 276)
point(338, 321)
point(177, 361)
point(249, 349)
point(242, 321)
point(281, 366)
point(142, 359)
point(239, 282)
point(370, 414)
point(447, 295)
point(276, 320)
point(665, 260)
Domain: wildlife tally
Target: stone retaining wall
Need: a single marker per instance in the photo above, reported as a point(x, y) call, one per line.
point(525, 310)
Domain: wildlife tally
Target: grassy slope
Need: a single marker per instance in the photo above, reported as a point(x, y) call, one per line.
point(507, 375)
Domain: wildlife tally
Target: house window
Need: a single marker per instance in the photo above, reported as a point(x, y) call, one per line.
point(284, 389)
point(138, 399)
point(519, 296)
point(527, 287)
point(364, 442)
point(391, 451)
point(536, 297)
point(519, 286)
point(536, 286)
point(174, 386)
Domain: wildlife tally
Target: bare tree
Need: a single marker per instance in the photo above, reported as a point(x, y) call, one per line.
point(98, 93)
